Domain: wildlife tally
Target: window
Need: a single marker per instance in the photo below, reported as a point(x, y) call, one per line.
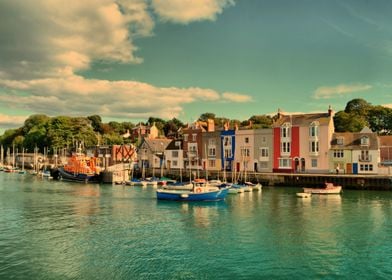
point(314, 146)
point(227, 153)
point(285, 163)
point(285, 130)
point(211, 142)
point(340, 140)
point(175, 154)
point(175, 163)
point(263, 139)
point(314, 162)
point(338, 153)
point(185, 137)
point(245, 152)
point(193, 137)
point(264, 152)
point(285, 147)
point(211, 151)
point(177, 144)
point(314, 129)
point(365, 155)
point(227, 141)
point(246, 140)
point(211, 163)
point(365, 141)
point(366, 167)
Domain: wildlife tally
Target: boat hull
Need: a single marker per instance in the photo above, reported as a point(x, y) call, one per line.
point(334, 190)
point(83, 178)
point(176, 195)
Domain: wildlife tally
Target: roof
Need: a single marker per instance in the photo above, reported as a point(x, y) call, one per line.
point(385, 140)
point(303, 119)
point(173, 145)
point(352, 141)
point(156, 145)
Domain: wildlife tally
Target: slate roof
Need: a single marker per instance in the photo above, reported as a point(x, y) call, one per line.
point(352, 141)
point(303, 119)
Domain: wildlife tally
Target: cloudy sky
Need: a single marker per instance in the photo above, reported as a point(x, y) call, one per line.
point(127, 60)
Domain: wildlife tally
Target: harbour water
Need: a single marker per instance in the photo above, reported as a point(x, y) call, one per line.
point(61, 230)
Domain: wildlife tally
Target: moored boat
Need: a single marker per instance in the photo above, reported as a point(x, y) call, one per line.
point(304, 194)
point(201, 191)
point(80, 168)
point(329, 188)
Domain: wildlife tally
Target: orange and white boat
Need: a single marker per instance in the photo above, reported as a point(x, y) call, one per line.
point(80, 168)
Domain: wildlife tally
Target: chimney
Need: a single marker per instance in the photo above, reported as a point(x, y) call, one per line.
point(210, 125)
point(279, 113)
point(330, 111)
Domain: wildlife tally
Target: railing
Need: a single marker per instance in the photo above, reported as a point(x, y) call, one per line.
point(365, 158)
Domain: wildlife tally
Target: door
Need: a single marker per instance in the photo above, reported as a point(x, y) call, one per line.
point(349, 168)
point(355, 168)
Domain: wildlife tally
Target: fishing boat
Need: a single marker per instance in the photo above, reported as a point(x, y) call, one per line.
point(201, 191)
point(80, 168)
point(329, 188)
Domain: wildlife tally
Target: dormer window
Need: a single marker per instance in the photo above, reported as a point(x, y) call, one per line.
point(314, 129)
point(185, 137)
point(340, 141)
point(365, 141)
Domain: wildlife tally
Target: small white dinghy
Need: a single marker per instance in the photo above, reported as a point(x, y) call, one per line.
point(304, 195)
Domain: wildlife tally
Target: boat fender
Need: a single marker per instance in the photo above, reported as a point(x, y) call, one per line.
point(198, 190)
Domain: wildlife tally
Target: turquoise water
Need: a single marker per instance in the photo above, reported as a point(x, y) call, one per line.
point(60, 230)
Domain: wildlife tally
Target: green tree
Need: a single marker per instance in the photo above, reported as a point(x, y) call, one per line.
point(380, 120)
point(358, 106)
point(205, 116)
point(96, 123)
point(348, 122)
point(261, 121)
point(35, 121)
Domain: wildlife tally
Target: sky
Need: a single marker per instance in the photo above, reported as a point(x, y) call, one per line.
point(127, 60)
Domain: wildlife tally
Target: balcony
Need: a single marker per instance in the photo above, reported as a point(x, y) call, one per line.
point(365, 158)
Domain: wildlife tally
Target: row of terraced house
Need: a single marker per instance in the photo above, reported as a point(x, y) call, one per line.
point(301, 143)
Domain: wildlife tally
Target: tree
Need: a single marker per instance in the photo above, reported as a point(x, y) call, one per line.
point(96, 123)
point(261, 121)
point(358, 107)
point(205, 116)
point(37, 120)
point(380, 119)
point(348, 122)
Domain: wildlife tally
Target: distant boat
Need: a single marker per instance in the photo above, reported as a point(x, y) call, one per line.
point(329, 188)
point(201, 191)
point(304, 195)
point(137, 182)
point(80, 168)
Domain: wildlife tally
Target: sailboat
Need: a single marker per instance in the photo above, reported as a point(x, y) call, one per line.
point(23, 171)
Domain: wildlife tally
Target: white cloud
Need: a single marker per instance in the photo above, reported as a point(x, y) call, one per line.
point(330, 92)
point(11, 121)
point(50, 38)
point(46, 42)
point(235, 97)
point(185, 11)
point(75, 95)
point(387, 105)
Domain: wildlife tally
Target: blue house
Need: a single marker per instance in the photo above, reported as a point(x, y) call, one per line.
point(227, 149)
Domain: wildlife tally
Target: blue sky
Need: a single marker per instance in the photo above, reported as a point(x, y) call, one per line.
point(127, 60)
